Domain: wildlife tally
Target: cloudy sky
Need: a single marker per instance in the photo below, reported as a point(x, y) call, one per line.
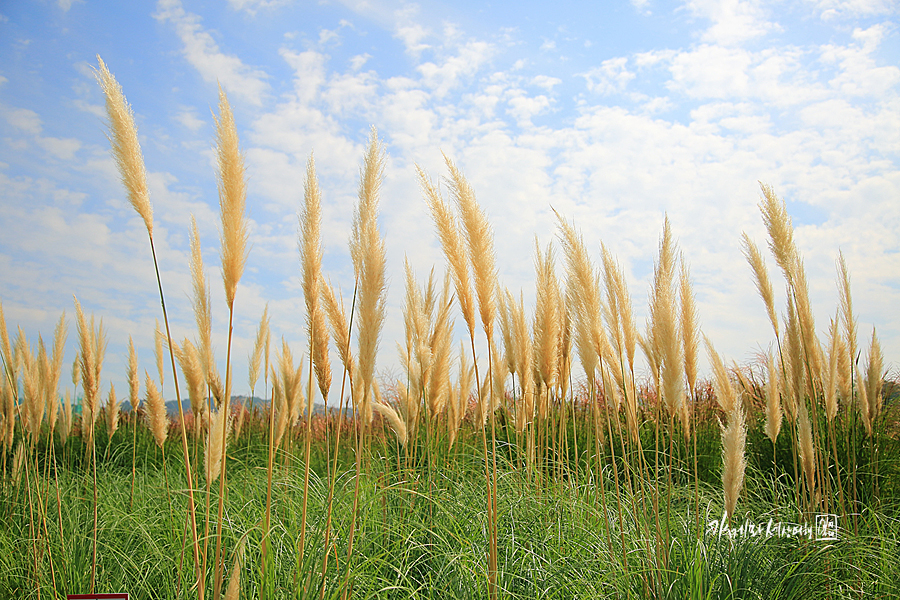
point(613, 113)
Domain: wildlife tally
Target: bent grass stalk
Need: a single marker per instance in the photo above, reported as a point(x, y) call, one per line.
point(130, 162)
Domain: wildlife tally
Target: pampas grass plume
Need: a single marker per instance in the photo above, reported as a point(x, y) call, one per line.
point(157, 418)
point(773, 401)
point(216, 438)
point(125, 147)
point(112, 411)
point(232, 196)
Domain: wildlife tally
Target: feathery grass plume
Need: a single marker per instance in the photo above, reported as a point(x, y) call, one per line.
point(761, 278)
point(367, 250)
point(65, 424)
point(393, 418)
point(6, 350)
point(524, 353)
point(189, 359)
point(233, 591)
point(583, 289)
point(125, 147)
point(773, 400)
point(690, 335)
point(546, 316)
point(76, 369)
point(448, 233)
point(480, 242)
point(620, 318)
point(311, 262)
point(874, 378)
point(297, 399)
point(807, 448)
point(781, 231)
point(203, 316)
point(564, 353)
point(289, 382)
point(492, 395)
point(416, 355)
point(459, 402)
point(7, 414)
point(666, 336)
point(844, 375)
point(734, 462)
point(281, 408)
point(157, 419)
point(134, 382)
point(112, 411)
point(158, 353)
point(831, 379)
point(18, 463)
point(340, 329)
point(862, 399)
point(726, 396)
point(441, 352)
point(216, 440)
point(55, 371)
point(44, 374)
point(31, 408)
point(781, 243)
point(793, 357)
point(504, 307)
point(232, 196)
point(92, 342)
point(734, 433)
point(261, 339)
point(847, 318)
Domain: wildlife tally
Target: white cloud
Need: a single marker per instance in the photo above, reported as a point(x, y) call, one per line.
point(409, 32)
point(253, 6)
point(447, 75)
point(642, 6)
point(23, 119)
point(612, 76)
point(62, 148)
point(543, 81)
point(859, 75)
point(202, 52)
point(839, 9)
point(359, 61)
point(523, 107)
point(309, 72)
point(733, 21)
point(188, 118)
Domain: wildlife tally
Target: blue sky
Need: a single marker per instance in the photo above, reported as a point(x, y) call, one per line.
point(615, 114)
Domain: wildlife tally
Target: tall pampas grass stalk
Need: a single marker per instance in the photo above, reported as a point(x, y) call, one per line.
point(734, 433)
point(480, 245)
point(232, 197)
point(340, 332)
point(92, 344)
point(368, 255)
point(310, 246)
point(589, 337)
point(134, 398)
point(127, 153)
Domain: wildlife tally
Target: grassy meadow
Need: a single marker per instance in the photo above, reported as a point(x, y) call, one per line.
point(529, 461)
